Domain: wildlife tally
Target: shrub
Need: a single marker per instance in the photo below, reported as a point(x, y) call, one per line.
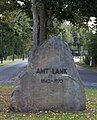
point(87, 60)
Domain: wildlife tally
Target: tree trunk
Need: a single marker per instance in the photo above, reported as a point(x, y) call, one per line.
point(1, 59)
point(94, 61)
point(23, 56)
point(40, 23)
point(35, 25)
point(13, 54)
point(43, 23)
point(13, 57)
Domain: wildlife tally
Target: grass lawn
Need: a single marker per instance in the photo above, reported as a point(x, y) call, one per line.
point(6, 62)
point(89, 114)
point(86, 66)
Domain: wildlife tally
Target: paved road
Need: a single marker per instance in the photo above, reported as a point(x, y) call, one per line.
point(10, 71)
point(89, 78)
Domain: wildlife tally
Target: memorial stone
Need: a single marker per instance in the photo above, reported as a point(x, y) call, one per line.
point(50, 81)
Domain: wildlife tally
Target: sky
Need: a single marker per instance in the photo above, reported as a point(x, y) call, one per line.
point(91, 21)
point(91, 24)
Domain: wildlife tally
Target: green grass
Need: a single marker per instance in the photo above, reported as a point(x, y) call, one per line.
point(86, 66)
point(89, 114)
point(10, 61)
point(5, 63)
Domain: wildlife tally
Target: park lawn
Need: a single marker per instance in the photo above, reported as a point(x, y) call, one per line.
point(89, 114)
point(5, 63)
point(86, 66)
point(10, 61)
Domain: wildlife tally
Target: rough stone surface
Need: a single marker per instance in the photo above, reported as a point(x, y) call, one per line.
point(50, 82)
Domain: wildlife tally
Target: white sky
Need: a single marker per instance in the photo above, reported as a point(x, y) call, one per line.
point(91, 22)
point(21, 3)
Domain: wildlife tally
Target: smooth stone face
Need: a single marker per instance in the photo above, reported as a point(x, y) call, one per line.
point(50, 82)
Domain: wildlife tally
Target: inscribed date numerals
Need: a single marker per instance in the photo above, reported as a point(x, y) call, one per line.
point(51, 81)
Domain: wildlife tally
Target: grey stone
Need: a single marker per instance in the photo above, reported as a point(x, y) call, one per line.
point(50, 82)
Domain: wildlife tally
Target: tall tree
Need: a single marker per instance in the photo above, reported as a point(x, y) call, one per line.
point(92, 48)
point(5, 39)
point(15, 34)
point(22, 27)
point(40, 23)
point(78, 12)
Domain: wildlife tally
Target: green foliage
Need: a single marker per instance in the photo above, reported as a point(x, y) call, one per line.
point(11, 5)
point(92, 46)
point(16, 33)
point(67, 31)
point(17, 17)
point(22, 29)
point(15, 57)
point(87, 60)
point(5, 39)
point(72, 10)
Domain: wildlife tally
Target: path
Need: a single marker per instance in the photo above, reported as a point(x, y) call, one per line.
point(89, 78)
point(10, 71)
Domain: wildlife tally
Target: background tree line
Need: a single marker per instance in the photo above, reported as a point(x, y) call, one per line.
point(15, 34)
point(16, 25)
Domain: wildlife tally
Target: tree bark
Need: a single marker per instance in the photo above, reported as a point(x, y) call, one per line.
point(36, 24)
point(1, 59)
point(13, 57)
point(43, 23)
point(23, 56)
point(40, 23)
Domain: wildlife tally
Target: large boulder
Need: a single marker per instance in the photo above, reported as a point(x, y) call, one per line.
point(50, 82)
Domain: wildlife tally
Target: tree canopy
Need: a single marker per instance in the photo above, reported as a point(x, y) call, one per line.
point(50, 15)
point(15, 34)
point(71, 10)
